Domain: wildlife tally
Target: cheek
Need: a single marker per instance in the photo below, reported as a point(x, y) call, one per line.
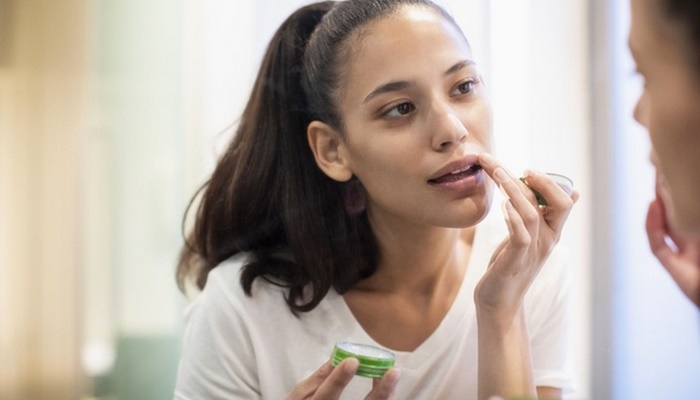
point(378, 162)
point(479, 123)
point(674, 128)
point(675, 136)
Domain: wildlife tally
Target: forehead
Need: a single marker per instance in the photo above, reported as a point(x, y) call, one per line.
point(645, 35)
point(403, 26)
point(651, 35)
point(394, 46)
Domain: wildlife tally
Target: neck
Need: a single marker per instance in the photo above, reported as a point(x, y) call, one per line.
point(419, 260)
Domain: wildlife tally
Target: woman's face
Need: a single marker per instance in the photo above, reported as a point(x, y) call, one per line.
point(669, 108)
point(415, 118)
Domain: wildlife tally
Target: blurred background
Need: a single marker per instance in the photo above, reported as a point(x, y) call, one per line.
point(112, 114)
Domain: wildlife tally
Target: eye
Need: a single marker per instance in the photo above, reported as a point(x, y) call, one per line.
point(463, 88)
point(400, 110)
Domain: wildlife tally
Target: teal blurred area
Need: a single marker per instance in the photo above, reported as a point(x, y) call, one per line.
point(145, 368)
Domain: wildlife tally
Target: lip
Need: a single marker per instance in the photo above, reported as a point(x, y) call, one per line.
point(464, 184)
point(465, 162)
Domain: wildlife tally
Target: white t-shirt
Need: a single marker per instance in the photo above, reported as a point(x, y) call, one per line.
point(240, 347)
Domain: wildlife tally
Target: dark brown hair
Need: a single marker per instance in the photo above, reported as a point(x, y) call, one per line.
point(686, 14)
point(267, 197)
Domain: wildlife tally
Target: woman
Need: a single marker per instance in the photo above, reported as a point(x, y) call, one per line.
point(346, 209)
point(665, 43)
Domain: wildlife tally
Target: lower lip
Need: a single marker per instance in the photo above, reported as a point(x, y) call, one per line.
point(468, 183)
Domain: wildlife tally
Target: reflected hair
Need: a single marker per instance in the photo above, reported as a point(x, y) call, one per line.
point(267, 198)
point(686, 14)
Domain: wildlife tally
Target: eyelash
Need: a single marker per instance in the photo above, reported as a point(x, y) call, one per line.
point(396, 108)
point(470, 82)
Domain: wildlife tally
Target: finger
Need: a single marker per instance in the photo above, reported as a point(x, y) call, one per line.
point(656, 234)
point(655, 227)
point(686, 273)
point(384, 387)
point(519, 235)
point(575, 195)
point(661, 220)
point(308, 386)
point(332, 387)
point(517, 243)
point(520, 195)
point(522, 202)
point(559, 203)
point(491, 166)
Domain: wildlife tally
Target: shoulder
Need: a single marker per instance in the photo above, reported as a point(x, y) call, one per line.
point(223, 294)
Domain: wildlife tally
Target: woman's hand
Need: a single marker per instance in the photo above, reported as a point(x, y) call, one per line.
point(505, 365)
point(534, 230)
point(328, 383)
point(683, 261)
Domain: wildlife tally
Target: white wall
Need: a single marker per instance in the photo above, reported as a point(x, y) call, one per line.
point(540, 92)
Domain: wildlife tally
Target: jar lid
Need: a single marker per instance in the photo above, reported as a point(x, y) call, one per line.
point(374, 361)
point(565, 183)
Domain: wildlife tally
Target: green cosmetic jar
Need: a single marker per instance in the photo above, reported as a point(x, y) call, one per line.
point(374, 361)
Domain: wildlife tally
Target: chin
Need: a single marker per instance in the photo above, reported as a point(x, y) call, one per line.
point(686, 222)
point(474, 211)
point(681, 216)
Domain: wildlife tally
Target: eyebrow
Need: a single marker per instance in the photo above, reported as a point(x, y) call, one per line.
point(402, 85)
point(459, 66)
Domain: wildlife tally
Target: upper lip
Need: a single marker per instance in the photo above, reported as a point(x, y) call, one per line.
point(461, 164)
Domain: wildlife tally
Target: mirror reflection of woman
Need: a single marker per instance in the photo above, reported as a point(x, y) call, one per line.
point(353, 205)
point(665, 43)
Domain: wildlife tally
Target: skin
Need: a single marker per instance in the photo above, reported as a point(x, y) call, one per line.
point(667, 108)
point(395, 139)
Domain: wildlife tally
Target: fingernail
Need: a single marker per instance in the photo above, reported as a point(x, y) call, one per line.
point(532, 172)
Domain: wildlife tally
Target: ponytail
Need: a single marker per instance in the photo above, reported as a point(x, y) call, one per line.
point(267, 196)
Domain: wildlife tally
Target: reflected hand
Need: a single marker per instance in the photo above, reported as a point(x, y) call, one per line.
point(533, 232)
point(683, 262)
point(328, 383)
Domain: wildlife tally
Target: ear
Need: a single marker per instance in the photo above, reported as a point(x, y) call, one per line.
point(329, 151)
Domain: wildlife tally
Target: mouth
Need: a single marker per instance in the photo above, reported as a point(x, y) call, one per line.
point(458, 174)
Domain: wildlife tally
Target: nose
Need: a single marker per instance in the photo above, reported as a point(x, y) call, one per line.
point(448, 129)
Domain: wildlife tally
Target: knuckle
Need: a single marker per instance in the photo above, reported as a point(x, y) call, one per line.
point(565, 203)
point(522, 240)
point(531, 218)
point(323, 372)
